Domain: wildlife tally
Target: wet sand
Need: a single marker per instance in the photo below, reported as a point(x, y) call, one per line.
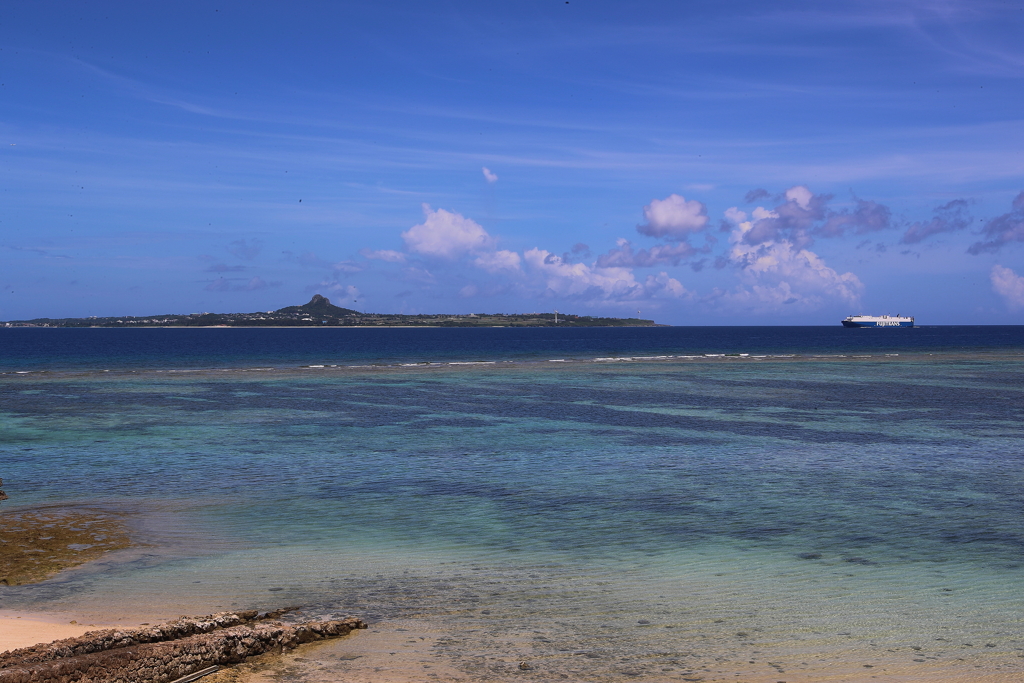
point(403, 650)
point(410, 651)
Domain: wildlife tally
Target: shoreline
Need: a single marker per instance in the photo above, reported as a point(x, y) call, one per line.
point(445, 647)
point(407, 650)
point(25, 628)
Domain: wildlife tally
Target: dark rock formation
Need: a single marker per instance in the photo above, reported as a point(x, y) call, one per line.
point(320, 306)
point(163, 653)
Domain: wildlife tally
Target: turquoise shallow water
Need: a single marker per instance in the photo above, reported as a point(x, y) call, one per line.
point(721, 519)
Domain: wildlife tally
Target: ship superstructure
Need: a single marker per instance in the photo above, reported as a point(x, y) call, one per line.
point(878, 321)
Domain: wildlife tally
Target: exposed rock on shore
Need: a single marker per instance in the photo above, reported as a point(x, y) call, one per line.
point(166, 652)
point(36, 544)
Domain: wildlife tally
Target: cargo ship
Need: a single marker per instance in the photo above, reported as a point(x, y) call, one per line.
point(878, 321)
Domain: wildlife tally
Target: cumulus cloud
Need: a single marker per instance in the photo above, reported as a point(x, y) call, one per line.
point(949, 217)
point(1002, 230)
point(489, 175)
point(1008, 285)
point(790, 220)
point(388, 255)
point(674, 218)
point(497, 261)
point(593, 284)
point(245, 249)
point(803, 215)
point(624, 256)
point(800, 196)
point(447, 235)
point(776, 272)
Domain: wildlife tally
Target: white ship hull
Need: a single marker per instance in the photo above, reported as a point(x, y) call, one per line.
point(878, 321)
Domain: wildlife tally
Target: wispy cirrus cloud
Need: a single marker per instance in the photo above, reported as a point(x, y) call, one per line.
point(1002, 230)
point(950, 217)
point(625, 256)
point(387, 255)
point(224, 268)
point(245, 249)
point(223, 284)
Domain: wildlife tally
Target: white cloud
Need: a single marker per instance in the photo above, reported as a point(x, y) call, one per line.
point(489, 175)
point(776, 273)
point(662, 284)
point(608, 285)
point(736, 216)
point(800, 195)
point(674, 217)
point(1008, 285)
point(496, 261)
point(389, 255)
point(445, 234)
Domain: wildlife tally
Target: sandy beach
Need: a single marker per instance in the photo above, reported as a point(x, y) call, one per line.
point(405, 651)
point(22, 629)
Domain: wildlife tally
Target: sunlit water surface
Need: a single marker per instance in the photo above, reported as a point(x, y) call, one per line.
point(727, 518)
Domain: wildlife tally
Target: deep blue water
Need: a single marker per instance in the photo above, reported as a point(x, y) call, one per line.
point(84, 349)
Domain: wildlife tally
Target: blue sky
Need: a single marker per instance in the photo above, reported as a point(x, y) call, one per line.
point(701, 162)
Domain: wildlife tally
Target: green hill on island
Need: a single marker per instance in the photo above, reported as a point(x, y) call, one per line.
point(320, 312)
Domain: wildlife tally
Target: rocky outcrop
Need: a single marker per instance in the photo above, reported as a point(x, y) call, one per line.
point(163, 653)
point(37, 543)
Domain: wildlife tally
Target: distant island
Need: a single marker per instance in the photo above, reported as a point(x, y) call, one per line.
point(320, 312)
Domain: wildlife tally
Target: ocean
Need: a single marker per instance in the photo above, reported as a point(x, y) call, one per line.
point(716, 504)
